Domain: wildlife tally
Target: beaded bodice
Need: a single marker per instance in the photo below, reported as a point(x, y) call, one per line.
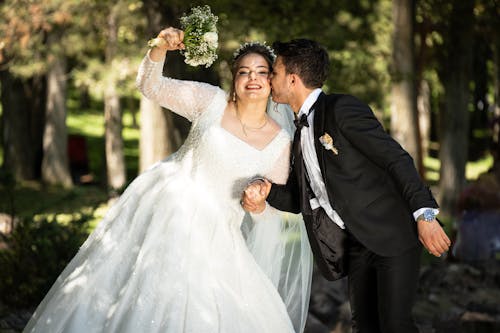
point(214, 158)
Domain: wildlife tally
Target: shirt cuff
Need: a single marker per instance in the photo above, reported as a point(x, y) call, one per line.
point(420, 211)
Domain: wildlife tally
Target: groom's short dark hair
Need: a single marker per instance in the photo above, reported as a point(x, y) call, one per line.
point(306, 58)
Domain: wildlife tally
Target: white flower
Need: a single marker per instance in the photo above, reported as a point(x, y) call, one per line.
point(327, 142)
point(200, 36)
point(211, 38)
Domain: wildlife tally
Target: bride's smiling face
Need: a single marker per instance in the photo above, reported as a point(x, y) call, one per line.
point(252, 78)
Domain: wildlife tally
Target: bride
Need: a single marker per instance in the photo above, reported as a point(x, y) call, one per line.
point(177, 253)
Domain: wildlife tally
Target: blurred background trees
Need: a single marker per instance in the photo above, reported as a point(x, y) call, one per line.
point(428, 68)
point(74, 129)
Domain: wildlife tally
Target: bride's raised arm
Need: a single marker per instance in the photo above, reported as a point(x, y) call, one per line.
point(186, 98)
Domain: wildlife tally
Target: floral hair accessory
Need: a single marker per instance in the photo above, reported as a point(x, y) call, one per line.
point(244, 47)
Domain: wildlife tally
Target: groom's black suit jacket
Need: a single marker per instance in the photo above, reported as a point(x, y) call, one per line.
point(371, 183)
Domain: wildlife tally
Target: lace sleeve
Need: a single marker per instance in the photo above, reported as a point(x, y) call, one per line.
point(186, 98)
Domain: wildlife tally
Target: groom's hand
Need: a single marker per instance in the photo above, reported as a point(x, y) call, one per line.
point(253, 199)
point(433, 237)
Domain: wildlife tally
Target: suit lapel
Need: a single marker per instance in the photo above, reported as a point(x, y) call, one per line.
point(319, 129)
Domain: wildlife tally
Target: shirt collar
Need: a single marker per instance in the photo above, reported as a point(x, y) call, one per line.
point(310, 100)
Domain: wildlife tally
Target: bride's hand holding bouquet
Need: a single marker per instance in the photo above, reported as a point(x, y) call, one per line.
point(169, 39)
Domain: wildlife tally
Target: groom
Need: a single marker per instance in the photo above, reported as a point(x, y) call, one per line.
point(363, 202)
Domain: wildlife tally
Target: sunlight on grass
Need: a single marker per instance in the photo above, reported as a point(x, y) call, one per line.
point(472, 169)
point(129, 132)
point(475, 169)
point(432, 166)
point(90, 124)
point(86, 123)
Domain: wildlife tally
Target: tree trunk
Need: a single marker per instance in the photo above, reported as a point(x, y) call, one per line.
point(424, 116)
point(424, 110)
point(456, 76)
point(404, 120)
point(23, 107)
point(115, 160)
point(479, 122)
point(55, 164)
point(155, 142)
point(496, 107)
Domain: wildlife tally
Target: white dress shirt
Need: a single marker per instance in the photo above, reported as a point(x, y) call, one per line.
point(312, 164)
point(311, 161)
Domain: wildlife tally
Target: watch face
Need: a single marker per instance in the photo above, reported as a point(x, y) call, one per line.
point(429, 215)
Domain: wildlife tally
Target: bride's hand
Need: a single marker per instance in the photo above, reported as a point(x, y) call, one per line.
point(254, 196)
point(169, 39)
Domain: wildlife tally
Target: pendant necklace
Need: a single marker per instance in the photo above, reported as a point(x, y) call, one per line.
point(246, 127)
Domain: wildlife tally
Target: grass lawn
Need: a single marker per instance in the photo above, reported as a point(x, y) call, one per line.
point(32, 200)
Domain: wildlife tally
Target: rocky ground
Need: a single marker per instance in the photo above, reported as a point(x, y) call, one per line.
point(453, 297)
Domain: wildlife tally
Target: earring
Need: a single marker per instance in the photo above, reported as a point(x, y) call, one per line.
point(234, 96)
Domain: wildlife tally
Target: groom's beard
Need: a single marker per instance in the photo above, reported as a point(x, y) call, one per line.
point(281, 99)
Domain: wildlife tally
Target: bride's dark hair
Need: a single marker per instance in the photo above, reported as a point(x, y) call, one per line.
point(250, 48)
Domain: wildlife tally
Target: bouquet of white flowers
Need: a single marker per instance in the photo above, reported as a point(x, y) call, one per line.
point(200, 37)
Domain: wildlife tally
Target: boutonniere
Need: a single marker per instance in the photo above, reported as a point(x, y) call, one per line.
point(327, 142)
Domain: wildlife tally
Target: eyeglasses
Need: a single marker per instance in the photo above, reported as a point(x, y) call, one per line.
point(261, 73)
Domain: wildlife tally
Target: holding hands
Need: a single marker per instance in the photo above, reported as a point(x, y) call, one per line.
point(253, 199)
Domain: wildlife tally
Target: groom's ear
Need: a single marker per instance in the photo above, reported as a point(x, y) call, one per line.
point(296, 81)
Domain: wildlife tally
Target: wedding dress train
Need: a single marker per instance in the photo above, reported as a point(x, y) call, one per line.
point(176, 253)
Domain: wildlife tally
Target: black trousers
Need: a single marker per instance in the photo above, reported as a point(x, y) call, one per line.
point(382, 289)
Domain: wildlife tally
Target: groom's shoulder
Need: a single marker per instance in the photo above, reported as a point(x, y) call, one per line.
point(337, 100)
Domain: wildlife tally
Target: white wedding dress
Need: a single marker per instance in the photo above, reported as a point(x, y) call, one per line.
point(176, 253)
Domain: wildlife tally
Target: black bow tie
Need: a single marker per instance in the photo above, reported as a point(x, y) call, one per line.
point(301, 122)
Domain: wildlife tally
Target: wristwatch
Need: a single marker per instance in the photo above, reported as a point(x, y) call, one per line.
point(427, 216)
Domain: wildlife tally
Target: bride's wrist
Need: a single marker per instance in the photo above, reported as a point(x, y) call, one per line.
point(156, 54)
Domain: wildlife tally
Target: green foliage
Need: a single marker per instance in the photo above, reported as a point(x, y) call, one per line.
point(34, 255)
point(357, 35)
point(79, 26)
point(473, 169)
point(50, 224)
point(97, 68)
